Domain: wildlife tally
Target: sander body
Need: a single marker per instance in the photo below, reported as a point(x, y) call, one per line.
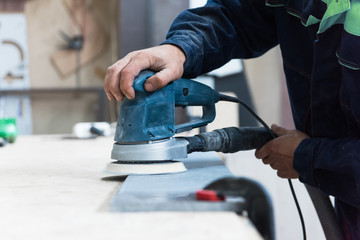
point(145, 130)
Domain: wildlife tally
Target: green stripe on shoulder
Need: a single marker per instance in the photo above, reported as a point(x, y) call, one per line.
point(352, 20)
point(274, 4)
point(335, 13)
point(345, 12)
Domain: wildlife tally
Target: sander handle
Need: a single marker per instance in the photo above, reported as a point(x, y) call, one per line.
point(229, 140)
point(192, 93)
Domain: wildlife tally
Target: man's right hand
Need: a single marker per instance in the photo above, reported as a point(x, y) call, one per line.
point(166, 60)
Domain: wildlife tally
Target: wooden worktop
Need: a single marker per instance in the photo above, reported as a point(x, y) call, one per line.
point(55, 188)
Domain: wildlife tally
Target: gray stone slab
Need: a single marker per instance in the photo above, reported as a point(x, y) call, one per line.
point(176, 191)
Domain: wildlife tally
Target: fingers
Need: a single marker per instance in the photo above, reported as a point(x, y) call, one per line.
point(161, 79)
point(138, 62)
point(112, 79)
point(279, 131)
point(168, 60)
point(283, 170)
point(264, 151)
point(155, 82)
point(279, 152)
point(120, 76)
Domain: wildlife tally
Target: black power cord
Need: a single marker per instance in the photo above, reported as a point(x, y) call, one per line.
point(237, 100)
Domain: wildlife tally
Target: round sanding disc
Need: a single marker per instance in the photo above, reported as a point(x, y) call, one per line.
point(126, 168)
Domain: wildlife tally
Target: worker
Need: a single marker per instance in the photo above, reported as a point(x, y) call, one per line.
point(320, 46)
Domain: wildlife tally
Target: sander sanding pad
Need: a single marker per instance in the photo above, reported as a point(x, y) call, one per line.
point(129, 168)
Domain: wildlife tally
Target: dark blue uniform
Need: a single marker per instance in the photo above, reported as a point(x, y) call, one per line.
point(320, 46)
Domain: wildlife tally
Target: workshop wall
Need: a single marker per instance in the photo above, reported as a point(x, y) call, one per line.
point(54, 67)
point(268, 88)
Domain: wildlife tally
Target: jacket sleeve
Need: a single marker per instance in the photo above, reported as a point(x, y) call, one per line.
point(212, 35)
point(332, 166)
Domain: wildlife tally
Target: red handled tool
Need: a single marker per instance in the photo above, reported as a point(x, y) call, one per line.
point(209, 195)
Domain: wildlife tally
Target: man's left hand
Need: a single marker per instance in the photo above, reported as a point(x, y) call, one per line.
point(279, 152)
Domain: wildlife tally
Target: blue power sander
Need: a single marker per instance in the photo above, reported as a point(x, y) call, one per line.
point(144, 137)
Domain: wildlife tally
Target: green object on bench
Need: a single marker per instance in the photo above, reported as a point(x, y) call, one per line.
point(8, 129)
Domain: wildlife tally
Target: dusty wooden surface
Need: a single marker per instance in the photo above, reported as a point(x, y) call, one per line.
point(54, 188)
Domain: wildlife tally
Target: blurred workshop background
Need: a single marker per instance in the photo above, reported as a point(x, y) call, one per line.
point(54, 56)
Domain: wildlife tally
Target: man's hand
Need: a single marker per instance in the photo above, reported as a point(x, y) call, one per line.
point(279, 153)
point(166, 60)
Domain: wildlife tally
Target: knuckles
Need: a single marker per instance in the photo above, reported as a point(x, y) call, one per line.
point(111, 70)
point(125, 74)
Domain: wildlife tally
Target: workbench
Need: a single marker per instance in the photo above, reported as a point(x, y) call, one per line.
point(54, 187)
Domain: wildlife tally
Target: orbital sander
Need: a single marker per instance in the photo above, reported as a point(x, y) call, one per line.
point(145, 141)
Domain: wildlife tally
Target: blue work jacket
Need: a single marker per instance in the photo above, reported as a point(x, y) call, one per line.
point(320, 49)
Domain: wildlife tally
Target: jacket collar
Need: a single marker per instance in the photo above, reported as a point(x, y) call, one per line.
point(325, 12)
point(334, 14)
point(309, 11)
